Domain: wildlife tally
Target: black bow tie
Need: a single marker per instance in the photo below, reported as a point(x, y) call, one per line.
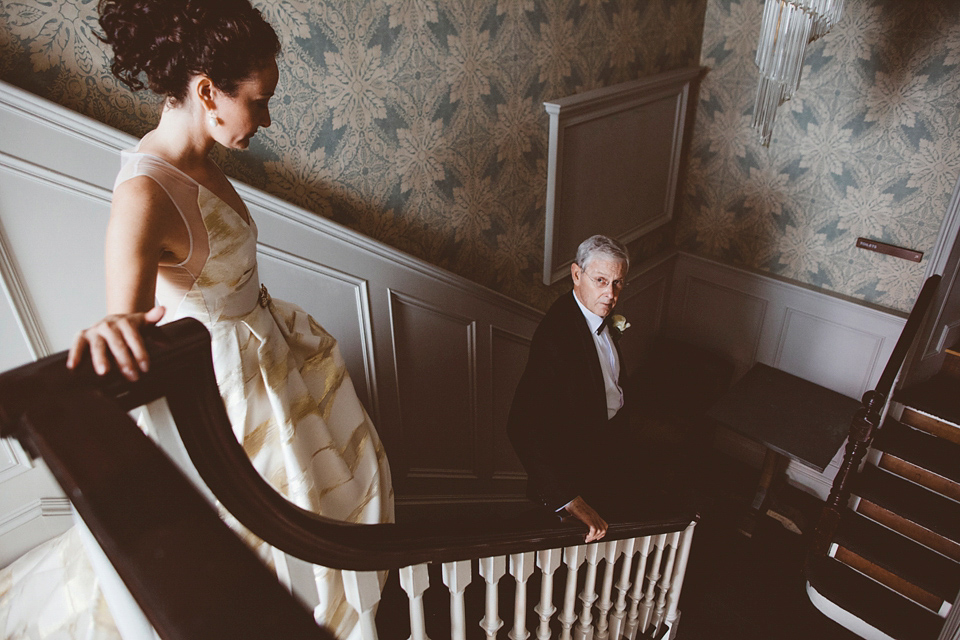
point(603, 323)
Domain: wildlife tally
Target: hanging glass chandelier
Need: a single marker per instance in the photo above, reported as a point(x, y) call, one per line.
point(788, 27)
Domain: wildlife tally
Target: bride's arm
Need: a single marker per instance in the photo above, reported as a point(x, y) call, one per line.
point(144, 225)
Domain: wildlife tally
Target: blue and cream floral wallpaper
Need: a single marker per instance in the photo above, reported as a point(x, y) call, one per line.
point(417, 122)
point(420, 123)
point(869, 146)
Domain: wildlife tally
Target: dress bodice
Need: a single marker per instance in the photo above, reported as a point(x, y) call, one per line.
point(218, 280)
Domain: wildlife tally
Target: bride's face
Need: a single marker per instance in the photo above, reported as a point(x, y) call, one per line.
point(239, 116)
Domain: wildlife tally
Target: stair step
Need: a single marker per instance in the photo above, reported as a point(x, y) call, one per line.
point(918, 565)
point(921, 449)
point(910, 529)
point(870, 601)
point(931, 425)
point(913, 502)
point(921, 476)
point(938, 396)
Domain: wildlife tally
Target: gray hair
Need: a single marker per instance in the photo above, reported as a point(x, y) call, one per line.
point(602, 245)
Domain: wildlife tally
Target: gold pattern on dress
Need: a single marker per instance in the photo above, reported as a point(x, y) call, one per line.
point(333, 384)
point(352, 452)
point(357, 513)
point(254, 440)
point(343, 613)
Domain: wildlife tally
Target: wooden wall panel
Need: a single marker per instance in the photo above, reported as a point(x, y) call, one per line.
point(508, 358)
point(724, 319)
point(808, 341)
point(435, 355)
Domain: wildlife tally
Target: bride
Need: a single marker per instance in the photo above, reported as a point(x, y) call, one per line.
point(181, 242)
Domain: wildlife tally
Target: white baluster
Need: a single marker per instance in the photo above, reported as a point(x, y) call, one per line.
point(572, 557)
point(415, 580)
point(521, 568)
point(456, 575)
point(673, 616)
point(636, 594)
point(584, 629)
point(673, 540)
point(492, 569)
point(548, 560)
point(362, 590)
point(611, 551)
point(653, 576)
point(620, 608)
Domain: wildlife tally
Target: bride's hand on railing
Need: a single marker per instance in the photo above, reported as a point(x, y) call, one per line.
point(579, 509)
point(120, 333)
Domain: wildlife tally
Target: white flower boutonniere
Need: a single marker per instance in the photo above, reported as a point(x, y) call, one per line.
point(619, 323)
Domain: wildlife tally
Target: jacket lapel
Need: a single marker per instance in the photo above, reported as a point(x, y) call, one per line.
point(587, 351)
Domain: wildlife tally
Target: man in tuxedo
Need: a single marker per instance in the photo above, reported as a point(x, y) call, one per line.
point(569, 415)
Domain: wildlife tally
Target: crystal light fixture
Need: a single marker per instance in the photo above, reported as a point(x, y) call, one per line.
point(788, 27)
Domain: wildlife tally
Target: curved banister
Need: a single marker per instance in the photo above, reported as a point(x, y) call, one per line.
point(182, 371)
point(867, 419)
point(190, 575)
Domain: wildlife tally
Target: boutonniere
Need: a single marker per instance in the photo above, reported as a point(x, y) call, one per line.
point(619, 324)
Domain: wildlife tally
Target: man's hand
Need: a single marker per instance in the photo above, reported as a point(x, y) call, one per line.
point(583, 512)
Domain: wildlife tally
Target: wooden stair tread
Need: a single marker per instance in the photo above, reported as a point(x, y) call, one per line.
point(939, 396)
point(926, 508)
point(898, 554)
point(930, 452)
point(870, 601)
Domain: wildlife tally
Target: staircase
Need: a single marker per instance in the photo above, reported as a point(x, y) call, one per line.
point(160, 533)
point(894, 560)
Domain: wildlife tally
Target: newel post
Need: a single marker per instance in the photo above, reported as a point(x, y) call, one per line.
point(862, 428)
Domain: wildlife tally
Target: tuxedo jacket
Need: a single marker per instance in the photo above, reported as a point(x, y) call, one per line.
point(558, 420)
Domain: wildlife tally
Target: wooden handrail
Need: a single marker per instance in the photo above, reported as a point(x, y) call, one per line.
point(182, 371)
point(867, 420)
point(907, 336)
point(191, 576)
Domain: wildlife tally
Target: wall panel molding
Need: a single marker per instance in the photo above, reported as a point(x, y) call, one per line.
point(852, 353)
point(435, 400)
point(838, 343)
point(716, 314)
point(41, 508)
point(13, 459)
point(24, 312)
point(508, 351)
point(600, 177)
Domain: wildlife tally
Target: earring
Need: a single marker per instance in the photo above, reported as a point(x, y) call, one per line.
point(212, 119)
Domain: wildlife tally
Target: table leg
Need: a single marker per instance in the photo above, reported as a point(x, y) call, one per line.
point(772, 463)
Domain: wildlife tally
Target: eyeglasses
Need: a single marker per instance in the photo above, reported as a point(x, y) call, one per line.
point(603, 283)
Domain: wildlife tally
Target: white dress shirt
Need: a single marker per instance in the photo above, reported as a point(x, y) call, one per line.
point(609, 361)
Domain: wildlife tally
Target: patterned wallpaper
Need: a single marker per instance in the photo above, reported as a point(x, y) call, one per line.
point(417, 122)
point(869, 146)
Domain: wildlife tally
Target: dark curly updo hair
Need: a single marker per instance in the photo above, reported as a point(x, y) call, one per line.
point(170, 41)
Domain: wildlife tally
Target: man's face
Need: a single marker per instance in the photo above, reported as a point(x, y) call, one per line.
point(599, 285)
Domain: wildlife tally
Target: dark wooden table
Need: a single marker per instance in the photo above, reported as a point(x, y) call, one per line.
point(793, 418)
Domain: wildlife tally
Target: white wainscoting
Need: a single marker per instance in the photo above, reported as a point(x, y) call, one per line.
point(749, 318)
point(434, 357)
point(427, 350)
